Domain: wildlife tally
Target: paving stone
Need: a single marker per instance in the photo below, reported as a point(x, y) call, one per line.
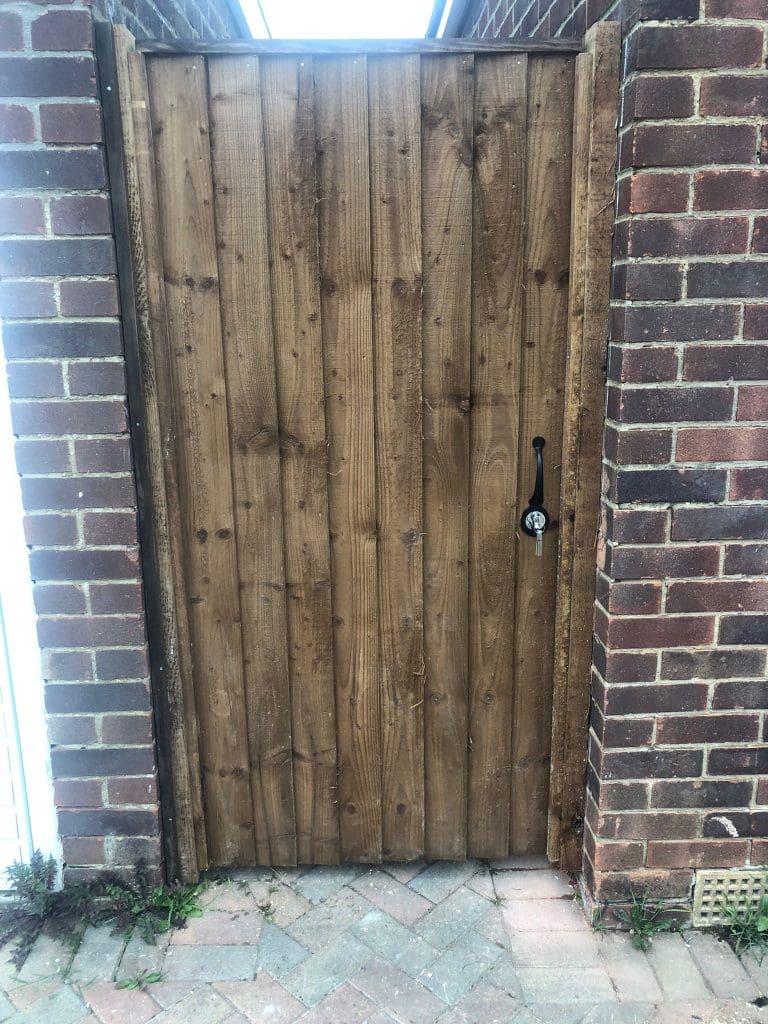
point(403, 997)
point(482, 883)
point(262, 1000)
point(63, 1006)
point(394, 942)
point(200, 1007)
point(48, 960)
point(322, 972)
point(722, 1012)
point(721, 967)
point(442, 878)
point(236, 1018)
point(676, 969)
point(532, 885)
point(757, 968)
point(323, 922)
point(555, 1013)
point(404, 871)
point(141, 956)
point(321, 882)
point(381, 1018)
point(487, 1004)
point(504, 976)
point(553, 949)
point(346, 1005)
point(565, 985)
point(534, 863)
point(492, 927)
point(168, 993)
point(97, 956)
point(220, 928)
point(391, 896)
point(278, 952)
point(629, 969)
point(7, 1009)
point(233, 896)
point(460, 967)
point(120, 1005)
point(619, 1013)
point(23, 995)
point(211, 963)
point(284, 905)
point(543, 915)
point(445, 923)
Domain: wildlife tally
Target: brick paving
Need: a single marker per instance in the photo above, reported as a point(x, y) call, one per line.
point(473, 943)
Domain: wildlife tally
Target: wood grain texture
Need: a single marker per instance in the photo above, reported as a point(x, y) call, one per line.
point(178, 90)
point(237, 161)
point(287, 95)
point(447, 87)
point(361, 47)
point(497, 279)
point(595, 116)
point(341, 117)
point(542, 368)
point(144, 324)
point(395, 165)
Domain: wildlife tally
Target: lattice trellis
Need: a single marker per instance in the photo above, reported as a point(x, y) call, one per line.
point(742, 888)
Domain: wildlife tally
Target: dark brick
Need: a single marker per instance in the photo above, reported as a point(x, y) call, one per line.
point(681, 236)
point(94, 378)
point(670, 485)
point(105, 455)
point(652, 764)
point(734, 95)
point(760, 235)
point(637, 526)
point(63, 30)
point(65, 665)
point(639, 281)
point(662, 561)
point(82, 564)
point(716, 664)
point(59, 257)
point(103, 763)
point(89, 298)
point(747, 278)
point(42, 456)
point(129, 791)
point(69, 417)
point(748, 485)
point(716, 825)
point(756, 323)
point(657, 97)
point(86, 850)
point(651, 699)
point(638, 447)
point(674, 323)
point(738, 761)
point(730, 523)
point(629, 598)
point(695, 46)
point(110, 528)
point(35, 380)
point(659, 631)
point(661, 825)
point(725, 362)
point(80, 793)
point(730, 190)
point(107, 823)
point(17, 123)
point(47, 76)
point(126, 729)
point(70, 123)
point(116, 598)
point(740, 695)
point(617, 796)
point(122, 664)
point(53, 529)
point(81, 215)
point(63, 599)
point(669, 404)
point(706, 728)
point(744, 629)
point(627, 732)
point(21, 215)
point(752, 403)
point(71, 698)
point(11, 31)
point(78, 492)
point(71, 730)
point(646, 365)
point(701, 793)
point(61, 340)
point(622, 667)
point(90, 631)
point(685, 145)
point(737, 9)
point(746, 559)
point(27, 298)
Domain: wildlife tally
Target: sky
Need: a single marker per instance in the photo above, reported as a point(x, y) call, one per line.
point(340, 19)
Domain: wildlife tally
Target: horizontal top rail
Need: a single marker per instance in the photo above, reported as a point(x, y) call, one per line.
point(337, 47)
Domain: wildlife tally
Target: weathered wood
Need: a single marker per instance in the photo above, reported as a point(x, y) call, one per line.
point(342, 47)
point(178, 91)
point(497, 270)
point(446, 95)
point(595, 117)
point(548, 139)
point(149, 383)
point(237, 164)
point(395, 162)
point(289, 148)
point(341, 115)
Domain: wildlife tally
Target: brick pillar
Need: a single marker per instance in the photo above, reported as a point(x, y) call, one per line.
point(62, 340)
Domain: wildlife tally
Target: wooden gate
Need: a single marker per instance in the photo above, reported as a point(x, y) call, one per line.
point(350, 281)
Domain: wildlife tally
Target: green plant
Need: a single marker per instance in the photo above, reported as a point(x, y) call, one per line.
point(747, 929)
point(140, 980)
point(122, 903)
point(645, 919)
point(597, 922)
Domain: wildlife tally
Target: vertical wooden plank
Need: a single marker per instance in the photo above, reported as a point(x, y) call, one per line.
point(180, 119)
point(595, 117)
point(155, 447)
point(237, 161)
point(341, 117)
point(497, 275)
point(289, 148)
point(395, 163)
point(548, 208)
point(447, 87)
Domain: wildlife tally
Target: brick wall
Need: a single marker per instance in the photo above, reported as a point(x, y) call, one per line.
point(62, 339)
point(678, 773)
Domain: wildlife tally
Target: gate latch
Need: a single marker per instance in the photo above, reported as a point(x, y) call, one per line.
point(535, 520)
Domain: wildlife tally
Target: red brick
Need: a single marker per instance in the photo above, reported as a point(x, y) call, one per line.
point(638, 447)
point(662, 561)
point(11, 31)
point(659, 631)
point(681, 236)
point(749, 485)
point(89, 298)
point(756, 323)
point(618, 856)
point(687, 145)
point(730, 190)
point(734, 95)
point(50, 529)
point(109, 528)
point(126, 729)
point(660, 96)
point(649, 825)
point(27, 299)
point(70, 123)
point(663, 192)
point(695, 46)
point(16, 123)
point(130, 791)
point(63, 30)
point(760, 235)
point(706, 728)
point(21, 215)
point(725, 362)
point(733, 9)
point(644, 365)
point(722, 444)
point(703, 853)
point(633, 599)
point(83, 849)
point(80, 793)
point(718, 596)
point(753, 403)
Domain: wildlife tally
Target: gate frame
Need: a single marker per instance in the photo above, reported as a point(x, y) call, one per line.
point(592, 199)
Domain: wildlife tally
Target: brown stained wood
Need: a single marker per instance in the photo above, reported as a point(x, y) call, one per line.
point(542, 366)
point(237, 165)
point(447, 95)
point(497, 279)
point(185, 204)
point(361, 47)
point(395, 167)
point(289, 147)
point(595, 116)
point(147, 314)
point(341, 118)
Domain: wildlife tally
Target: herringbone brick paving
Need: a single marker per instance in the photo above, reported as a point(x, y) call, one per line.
point(470, 943)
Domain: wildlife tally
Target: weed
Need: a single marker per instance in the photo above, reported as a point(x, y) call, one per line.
point(140, 980)
point(124, 904)
point(747, 929)
point(267, 910)
point(498, 901)
point(597, 922)
point(645, 918)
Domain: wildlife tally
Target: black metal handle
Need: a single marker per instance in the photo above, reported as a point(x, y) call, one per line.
point(535, 519)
